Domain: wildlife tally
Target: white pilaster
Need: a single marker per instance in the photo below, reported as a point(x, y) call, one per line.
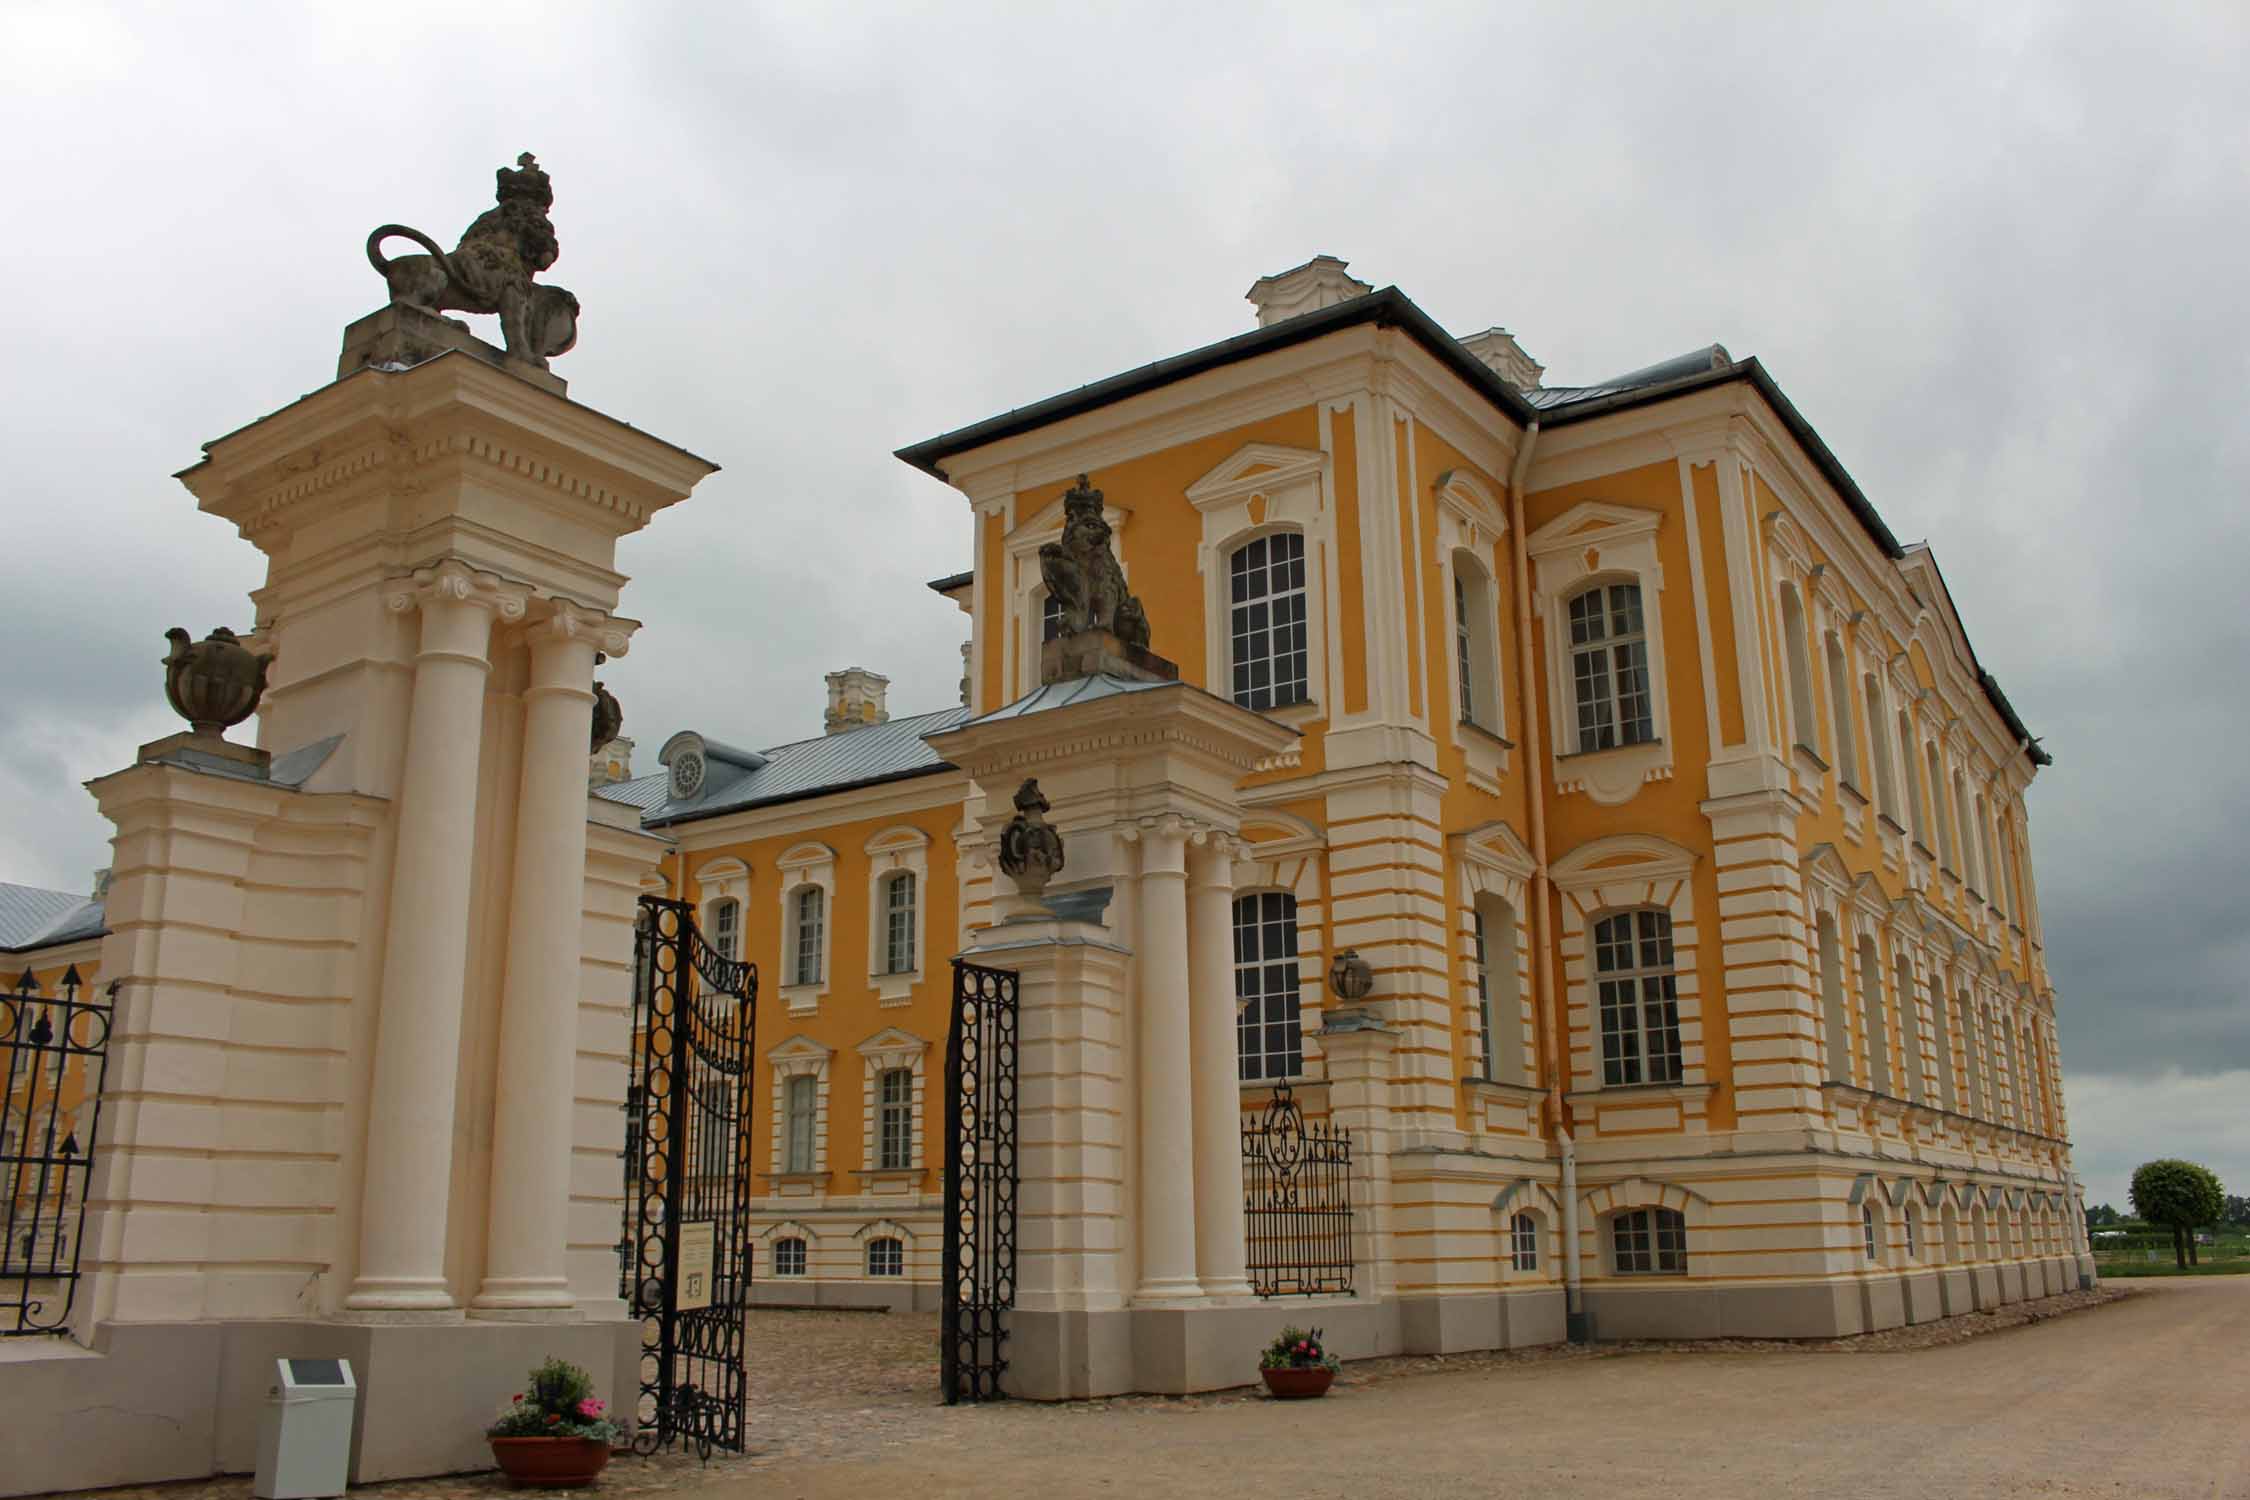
point(1164, 1063)
point(418, 1028)
point(527, 1242)
point(1220, 1256)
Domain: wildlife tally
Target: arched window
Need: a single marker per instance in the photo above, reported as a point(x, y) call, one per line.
point(810, 935)
point(1909, 1028)
point(1609, 667)
point(1867, 1235)
point(1266, 621)
point(894, 1120)
point(1886, 783)
point(1648, 1241)
point(1835, 1029)
point(1840, 705)
point(1913, 1230)
point(726, 927)
point(1639, 998)
point(898, 923)
point(1800, 669)
point(1499, 999)
point(1523, 1242)
point(1476, 652)
point(1949, 1223)
point(1946, 855)
point(1872, 1018)
point(1913, 778)
point(1265, 986)
point(789, 1257)
point(886, 1257)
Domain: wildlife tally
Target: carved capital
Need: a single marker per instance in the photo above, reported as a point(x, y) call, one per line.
point(561, 620)
point(455, 582)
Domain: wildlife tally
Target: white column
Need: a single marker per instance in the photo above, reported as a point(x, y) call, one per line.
point(1219, 1252)
point(1161, 1072)
point(528, 1233)
point(418, 1027)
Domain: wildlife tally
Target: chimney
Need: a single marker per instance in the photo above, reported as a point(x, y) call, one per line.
point(1497, 350)
point(855, 699)
point(611, 764)
point(1318, 283)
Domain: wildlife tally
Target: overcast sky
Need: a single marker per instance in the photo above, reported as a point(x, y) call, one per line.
point(1995, 256)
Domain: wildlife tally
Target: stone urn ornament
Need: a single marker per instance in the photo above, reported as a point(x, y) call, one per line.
point(214, 683)
point(609, 714)
point(1031, 852)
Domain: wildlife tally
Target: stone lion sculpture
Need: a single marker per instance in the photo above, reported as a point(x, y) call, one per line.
point(1082, 575)
point(491, 270)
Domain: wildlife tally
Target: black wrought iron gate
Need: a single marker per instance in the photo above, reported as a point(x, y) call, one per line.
point(54, 1064)
point(1296, 1201)
point(980, 1181)
point(687, 1180)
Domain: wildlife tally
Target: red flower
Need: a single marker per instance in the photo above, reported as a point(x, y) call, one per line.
point(552, 1419)
point(518, 1396)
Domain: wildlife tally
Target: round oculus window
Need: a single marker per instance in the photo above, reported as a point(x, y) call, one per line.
point(687, 775)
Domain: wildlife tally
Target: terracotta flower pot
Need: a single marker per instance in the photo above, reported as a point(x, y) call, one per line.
point(550, 1463)
point(1298, 1385)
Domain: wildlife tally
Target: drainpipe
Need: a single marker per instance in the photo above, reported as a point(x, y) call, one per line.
point(1541, 939)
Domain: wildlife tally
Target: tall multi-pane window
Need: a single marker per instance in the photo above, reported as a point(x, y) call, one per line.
point(1266, 621)
point(1992, 888)
point(1461, 652)
point(1840, 707)
point(1921, 819)
point(1867, 1229)
point(1970, 1038)
point(1265, 985)
point(1835, 1027)
point(726, 928)
point(1872, 1018)
point(810, 936)
point(886, 1257)
point(1050, 617)
point(1484, 993)
point(1886, 784)
point(1609, 667)
point(1909, 1029)
point(1938, 814)
point(1800, 669)
point(1639, 999)
point(1963, 838)
point(898, 923)
point(789, 1257)
point(1649, 1241)
point(1913, 1232)
point(894, 1124)
point(801, 1105)
point(1941, 1019)
point(1523, 1242)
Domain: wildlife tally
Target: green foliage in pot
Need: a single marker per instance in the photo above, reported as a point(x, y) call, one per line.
point(558, 1402)
point(1297, 1349)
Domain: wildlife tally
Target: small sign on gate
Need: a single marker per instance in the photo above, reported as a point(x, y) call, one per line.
point(699, 1242)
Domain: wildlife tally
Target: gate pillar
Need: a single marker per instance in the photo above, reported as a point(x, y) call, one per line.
point(1069, 1333)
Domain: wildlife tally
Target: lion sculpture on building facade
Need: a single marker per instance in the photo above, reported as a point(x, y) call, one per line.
point(491, 270)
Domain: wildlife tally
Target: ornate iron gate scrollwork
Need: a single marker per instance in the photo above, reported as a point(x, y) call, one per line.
point(1297, 1201)
point(47, 1145)
point(980, 1181)
point(686, 1256)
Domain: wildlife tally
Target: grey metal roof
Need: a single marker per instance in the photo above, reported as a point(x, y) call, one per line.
point(889, 751)
point(34, 918)
point(1050, 695)
point(643, 792)
point(1664, 372)
point(952, 581)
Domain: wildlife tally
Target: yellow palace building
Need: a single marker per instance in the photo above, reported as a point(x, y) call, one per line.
point(1653, 778)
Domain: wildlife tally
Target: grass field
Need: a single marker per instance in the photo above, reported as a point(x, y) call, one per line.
point(2239, 1266)
point(2145, 1252)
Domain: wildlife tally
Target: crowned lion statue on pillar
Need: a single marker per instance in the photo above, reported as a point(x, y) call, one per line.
point(491, 270)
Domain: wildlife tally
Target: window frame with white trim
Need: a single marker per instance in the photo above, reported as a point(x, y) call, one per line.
point(1471, 527)
point(1259, 491)
point(895, 854)
point(1599, 545)
point(809, 866)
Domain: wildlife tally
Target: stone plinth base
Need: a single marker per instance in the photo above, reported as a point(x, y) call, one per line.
point(1096, 653)
point(208, 752)
point(1067, 1356)
point(196, 1393)
point(397, 336)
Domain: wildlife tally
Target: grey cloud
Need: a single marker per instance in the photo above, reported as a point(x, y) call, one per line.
point(1992, 255)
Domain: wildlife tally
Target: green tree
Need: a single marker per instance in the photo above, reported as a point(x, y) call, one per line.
point(2181, 1196)
point(2102, 1216)
point(2237, 1210)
